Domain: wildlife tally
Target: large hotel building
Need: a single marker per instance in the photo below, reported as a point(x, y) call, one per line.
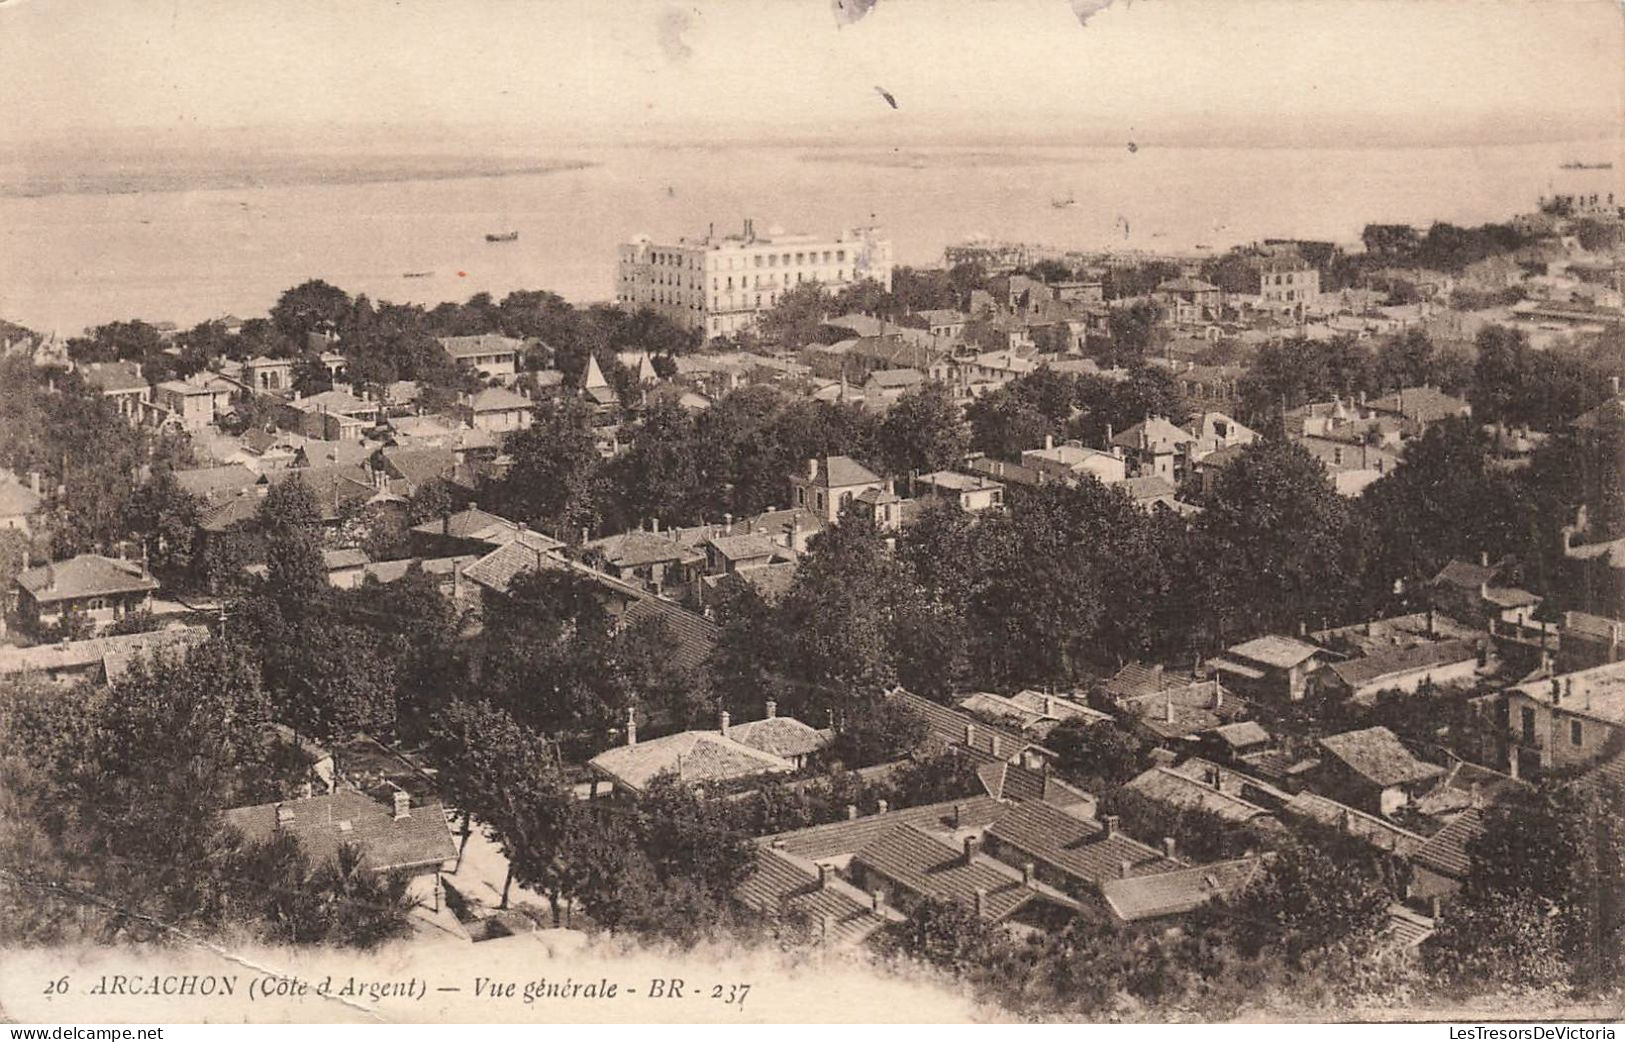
point(719, 285)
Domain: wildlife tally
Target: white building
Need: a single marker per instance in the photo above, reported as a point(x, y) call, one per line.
point(719, 284)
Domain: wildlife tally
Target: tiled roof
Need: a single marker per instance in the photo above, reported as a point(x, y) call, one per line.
point(842, 472)
point(17, 499)
point(1593, 627)
point(324, 823)
point(1012, 781)
point(1155, 434)
point(695, 635)
point(924, 865)
point(744, 547)
point(344, 557)
point(1181, 890)
point(1056, 706)
point(1248, 732)
point(112, 377)
point(474, 524)
point(498, 569)
point(115, 653)
point(419, 466)
point(1273, 650)
point(779, 882)
point(1075, 846)
point(390, 571)
point(1376, 754)
point(1166, 785)
point(1465, 574)
point(88, 575)
point(952, 727)
point(1360, 671)
point(1445, 852)
point(460, 347)
point(214, 483)
point(1422, 404)
point(693, 756)
point(339, 403)
point(498, 399)
point(780, 735)
point(840, 838)
point(1406, 929)
point(1384, 835)
point(638, 548)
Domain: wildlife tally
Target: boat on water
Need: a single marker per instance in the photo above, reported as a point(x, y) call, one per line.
point(501, 236)
point(1062, 204)
point(417, 275)
point(1575, 164)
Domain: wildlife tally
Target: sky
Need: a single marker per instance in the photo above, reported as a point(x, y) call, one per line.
point(610, 69)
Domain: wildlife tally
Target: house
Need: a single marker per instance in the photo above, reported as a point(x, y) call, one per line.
point(1149, 492)
point(830, 484)
point(1200, 787)
point(950, 728)
point(1170, 709)
point(1234, 742)
point(1570, 720)
point(781, 736)
point(1033, 713)
point(908, 866)
point(781, 884)
point(1071, 461)
point(691, 757)
point(98, 660)
point(743, 553)
point(1401, 669)
point(19, 503)
point(1473, 593)
point(970, 492)
point(334, 415)
point(1073, 854)
point(1372, 770)
point(122, 384)
point(1190, 300)
point(217, 484)
point(99, 589)
point(1375, 831)
point(1584, 640)
point(660, 561)
point(1439, 867)
point(496, 409)
point(1272, 667)
point(1154, 447)
point(268, 375)
point(194, 403)
point(490, 355)
point(471, 531)
point(410, 469)
point(395, 837)
point(1419, 407)
point(1163, 894)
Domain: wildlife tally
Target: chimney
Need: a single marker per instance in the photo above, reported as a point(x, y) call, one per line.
point(284, 815)
point(1433, 902)
point(33, 481)
point(981, 901)
point(1168, 845)
point(1049, 442)
point(654, 524)
point(823, 877)
point(772, 709)
point(970, 734)
point(1110, 821)
point(876, 900)
point(631, 728)
point(959, 815)
point(881, 806)
point(851, 812)
point(722, 723)
point(1168, 708)
point(1027, 873)
point(1613, 382)
point(812, 470)
point(727, 524)
point(970, 849)
point(403, 804)
point(1124, 868)
point(1484, 558)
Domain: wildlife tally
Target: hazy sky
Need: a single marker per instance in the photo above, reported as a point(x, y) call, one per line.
point(610, 67)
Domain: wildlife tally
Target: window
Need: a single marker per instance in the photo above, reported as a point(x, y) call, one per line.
point(758, 260)
point(840, 255)
point(846, 500)
point(787, 260)
point(801, 497)
point(801, 258)
point(1576, 733)
point(1528, 720)
point(772, 260)
point(820, 500)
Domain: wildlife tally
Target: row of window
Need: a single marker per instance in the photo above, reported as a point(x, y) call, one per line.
point(1576, 729)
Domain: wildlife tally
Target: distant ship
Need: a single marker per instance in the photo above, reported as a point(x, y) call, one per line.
point(1132, 147)
point(1575, 164)
point(501, 236)
point(1062, 204)
point(417, 275)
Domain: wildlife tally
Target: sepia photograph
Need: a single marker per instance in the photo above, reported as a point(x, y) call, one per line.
point(694, 512)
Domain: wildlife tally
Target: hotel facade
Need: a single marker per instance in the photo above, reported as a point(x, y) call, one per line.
point(719, 285)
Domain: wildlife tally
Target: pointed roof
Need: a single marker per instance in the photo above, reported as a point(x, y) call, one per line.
point(594, 377)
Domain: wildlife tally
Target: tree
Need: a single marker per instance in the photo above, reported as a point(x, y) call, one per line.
point(876, 729)
point(290, 519)
point(658, 475)
point(310, 307)
point(1308, 904)
point(165, 517)
point(793, 321)
point(556, 482)
point(1133, 333)
point(948, 934)
point(922, 432)
point(1098, 755)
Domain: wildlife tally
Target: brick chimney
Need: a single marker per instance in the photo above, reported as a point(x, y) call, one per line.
point(980, 901)
point(631, 728)
point(1027, 872)
point(1110, 822)
point(823, 876)
point(851, 812)
point(722, 723)
point(1168, 847)
point(881, 806)
point(403, 804)
point(772, 709)
point(970, 734)
point(959, 815)
point(284, 815)
point(876, 901)
point(1124, 868)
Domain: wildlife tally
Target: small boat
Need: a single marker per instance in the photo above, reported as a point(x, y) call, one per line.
point(1575, 164)
point(501, 236)
point(1132, 147)
point(1062, 204)
point(417, 275)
